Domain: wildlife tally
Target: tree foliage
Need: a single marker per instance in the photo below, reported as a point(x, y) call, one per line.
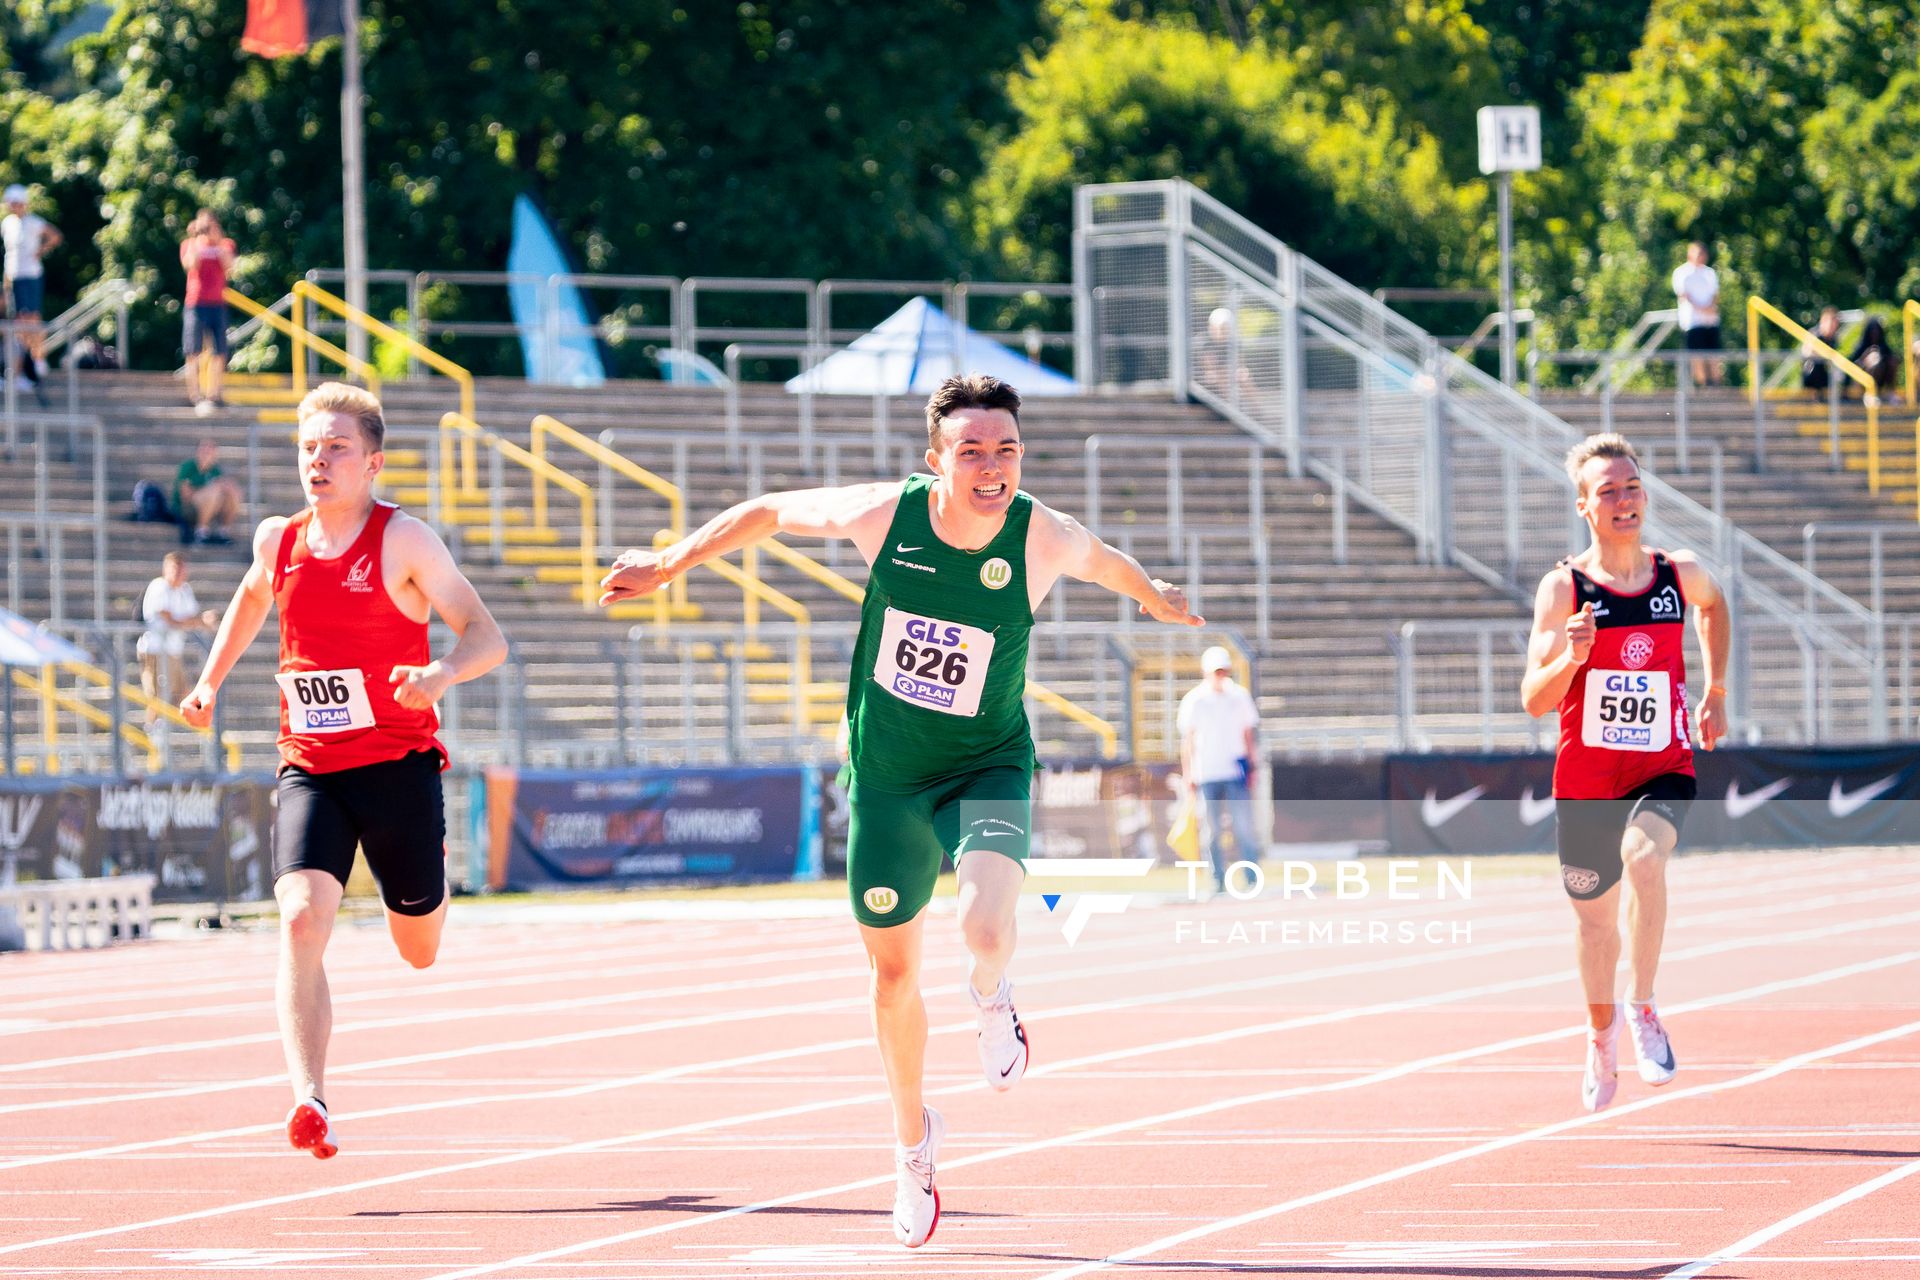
point(941, 138)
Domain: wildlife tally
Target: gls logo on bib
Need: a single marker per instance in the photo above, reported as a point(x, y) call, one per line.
point(880, 899)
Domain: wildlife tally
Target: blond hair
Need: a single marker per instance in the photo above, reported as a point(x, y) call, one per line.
point(355, 402)
point(1603, 444)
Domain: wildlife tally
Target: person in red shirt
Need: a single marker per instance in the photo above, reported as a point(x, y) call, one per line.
point(355, 581)
point(207, 256)
point(1607, 652)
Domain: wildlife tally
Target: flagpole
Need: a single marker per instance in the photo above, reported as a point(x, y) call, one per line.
point(353, 175)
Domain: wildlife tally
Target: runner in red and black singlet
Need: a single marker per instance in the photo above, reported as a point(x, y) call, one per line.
point(1624, 721)
point(355, 581)
point(1607, 652)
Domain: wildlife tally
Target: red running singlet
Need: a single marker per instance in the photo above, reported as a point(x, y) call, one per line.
point(1624, 720)
point(341, 636)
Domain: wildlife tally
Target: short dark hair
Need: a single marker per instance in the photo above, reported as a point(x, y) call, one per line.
point(968, 391)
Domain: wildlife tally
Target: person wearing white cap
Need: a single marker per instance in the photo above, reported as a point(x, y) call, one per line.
point(27, 237)
point(1219, 728)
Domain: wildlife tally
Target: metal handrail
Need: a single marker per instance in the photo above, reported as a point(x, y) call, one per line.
point(470, 430)
point(1909, 313)
point(1759, 309)
point(1875, 531)
point(1484, 330)
point(52, 529)
point(545, 425)
point(269, 316)
point(1648, 332)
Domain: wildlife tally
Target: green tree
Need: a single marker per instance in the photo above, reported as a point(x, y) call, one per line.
point(1342, 177)
point(1721, 129)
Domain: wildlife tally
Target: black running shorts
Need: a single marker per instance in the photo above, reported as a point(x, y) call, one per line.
point(391, 811)
point(1591, 830)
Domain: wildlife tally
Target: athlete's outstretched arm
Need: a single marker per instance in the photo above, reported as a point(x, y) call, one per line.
point(1058, 544)
point(246, 613)
point(1713, 622)
point(480, 648)
point(1561, 641)
point(861, 512)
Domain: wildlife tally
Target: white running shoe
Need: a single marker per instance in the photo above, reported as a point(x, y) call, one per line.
point(916, 1203)
point(1650, 1044)
point(1603, 1065)
point(1003, 1041)
point(308, 1129)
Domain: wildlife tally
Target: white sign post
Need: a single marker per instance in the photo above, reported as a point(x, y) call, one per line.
point(1509, 143)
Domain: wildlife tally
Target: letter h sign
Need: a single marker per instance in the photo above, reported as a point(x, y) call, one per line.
point(1509, 139)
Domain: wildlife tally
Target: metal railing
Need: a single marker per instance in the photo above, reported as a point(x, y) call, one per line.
point(667, 310)
point(1876, 533)
point(46, 534)
point(1759, 310)
point(1471, 468)
point(1458, 686)
point(65, 330)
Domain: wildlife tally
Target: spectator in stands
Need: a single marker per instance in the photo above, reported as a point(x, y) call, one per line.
point(170, 611)
point(1874, 354)
point(204, 500)
point(207, 255)
point(1219, 726)
point(1697, 286)
point(27, 237)
point(1816, 374)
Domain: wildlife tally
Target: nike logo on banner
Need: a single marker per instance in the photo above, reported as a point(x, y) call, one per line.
point(1437, 813)
point(1739, 806)
point(1534, 812)
point(1844, 804)
point(903, 548)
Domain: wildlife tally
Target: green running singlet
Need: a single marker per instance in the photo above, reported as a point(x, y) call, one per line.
point(939, 673)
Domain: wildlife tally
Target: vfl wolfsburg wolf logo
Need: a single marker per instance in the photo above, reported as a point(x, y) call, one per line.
point(995, 574)
point(881, 899)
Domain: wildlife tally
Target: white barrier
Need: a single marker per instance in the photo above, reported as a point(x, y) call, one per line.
point(70, 914)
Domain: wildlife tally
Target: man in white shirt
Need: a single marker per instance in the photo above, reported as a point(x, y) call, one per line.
point(27, 238)
point(170, 611)
point(1218, 727)
point(1697, 286)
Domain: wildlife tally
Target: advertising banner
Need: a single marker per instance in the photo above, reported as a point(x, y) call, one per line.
point(203, 839)
point(645, 826)
point(1749, 797)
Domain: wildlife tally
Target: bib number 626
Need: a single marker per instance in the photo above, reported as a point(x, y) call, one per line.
point(947, 666)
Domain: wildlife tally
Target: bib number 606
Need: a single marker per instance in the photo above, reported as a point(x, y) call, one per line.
point(318, 691)
point(947, 666)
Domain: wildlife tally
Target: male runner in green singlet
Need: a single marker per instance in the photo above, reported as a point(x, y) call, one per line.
point(941, 751)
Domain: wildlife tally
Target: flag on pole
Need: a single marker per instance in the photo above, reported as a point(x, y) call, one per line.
point(281, 28)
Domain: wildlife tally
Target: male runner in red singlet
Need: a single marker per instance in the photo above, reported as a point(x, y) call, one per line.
point(354, 580)
point(1607, 650)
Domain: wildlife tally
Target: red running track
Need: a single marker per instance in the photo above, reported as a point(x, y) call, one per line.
point(1210, 1096)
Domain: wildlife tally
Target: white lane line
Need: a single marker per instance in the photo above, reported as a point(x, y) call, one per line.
point(1778, 1069)
point(1194, 1233)
point(1201, 959)
point(1787, 1224)
point(812, 1108)
point(1180, 996)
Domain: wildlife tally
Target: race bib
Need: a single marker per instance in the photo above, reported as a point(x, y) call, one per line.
point(931, 663)
point(326, 701)
point(1628, 710)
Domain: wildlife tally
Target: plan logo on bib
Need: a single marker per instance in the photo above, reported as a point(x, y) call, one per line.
point(995, 574)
